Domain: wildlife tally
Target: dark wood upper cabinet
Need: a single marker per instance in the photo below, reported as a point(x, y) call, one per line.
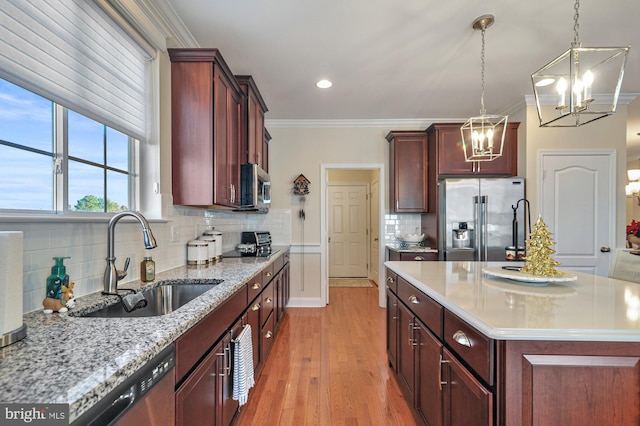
point(445, 143)
point(408, 171)
point(205, 129)
point(252, 132)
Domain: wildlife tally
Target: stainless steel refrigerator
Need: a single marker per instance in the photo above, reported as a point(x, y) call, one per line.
point(476, 218)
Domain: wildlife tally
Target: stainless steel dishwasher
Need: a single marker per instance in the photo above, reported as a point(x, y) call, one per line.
point(130, 403)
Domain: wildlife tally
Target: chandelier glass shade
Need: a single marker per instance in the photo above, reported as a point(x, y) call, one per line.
point(581, 85)
point(483, 136)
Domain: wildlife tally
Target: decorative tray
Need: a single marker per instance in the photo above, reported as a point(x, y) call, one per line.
point(530, 279)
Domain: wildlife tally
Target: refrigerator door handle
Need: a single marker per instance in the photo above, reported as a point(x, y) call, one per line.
point(478, 227)
point(481, 221)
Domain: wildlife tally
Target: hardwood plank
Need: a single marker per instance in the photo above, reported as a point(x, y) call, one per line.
point(329, 366)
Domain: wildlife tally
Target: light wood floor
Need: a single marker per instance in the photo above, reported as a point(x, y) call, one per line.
point(328, 366)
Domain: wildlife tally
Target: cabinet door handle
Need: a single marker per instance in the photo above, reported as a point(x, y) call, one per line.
point(255, 307)
point(268, 274)
point(228, 359)
point(462, 338)
point(418, 258)
point(390, 280)
point(268, 335)
point(268, 300)
point(397, 204)
point(255, 286)
point(442, 363)
point(414, 300)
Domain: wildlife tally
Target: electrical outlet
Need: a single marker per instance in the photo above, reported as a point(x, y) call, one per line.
point(175, 234)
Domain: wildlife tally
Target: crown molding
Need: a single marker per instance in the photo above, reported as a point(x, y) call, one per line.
point(604, 99)
point(157, 21)
point(398, 124)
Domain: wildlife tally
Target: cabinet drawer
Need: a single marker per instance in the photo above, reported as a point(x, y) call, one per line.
point(254, 287)
point(268, 302)
point(425, 308)
point(278, 264)
point(474, 348)
point(418, 256)
point(267, 274)
point(268, 334)
point(392, 281)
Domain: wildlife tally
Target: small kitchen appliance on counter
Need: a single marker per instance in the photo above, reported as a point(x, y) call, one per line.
point(252, 244)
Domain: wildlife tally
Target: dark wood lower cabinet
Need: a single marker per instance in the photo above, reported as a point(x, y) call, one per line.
point(459, 376)
point(428, 375)
point(205, 353)
point(466, 400)
point(198, 397)
point(392, 329)
point(406, 367)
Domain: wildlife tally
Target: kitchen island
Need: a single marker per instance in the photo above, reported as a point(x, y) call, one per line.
point(490, 350)
point(70, 359)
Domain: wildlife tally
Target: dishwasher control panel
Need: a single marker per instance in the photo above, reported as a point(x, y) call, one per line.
point(155, 372)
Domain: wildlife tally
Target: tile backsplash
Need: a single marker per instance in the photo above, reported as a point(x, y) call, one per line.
point(86, 244)
point(395, 224)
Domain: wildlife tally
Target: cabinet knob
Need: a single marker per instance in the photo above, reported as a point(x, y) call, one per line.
point(268, 274)
point(414, 300)
point(268, 300)
point(390, 279)
point(462, 338)
point(255, 307)
point(255, 286)
point(268, 335)
point(418, 258)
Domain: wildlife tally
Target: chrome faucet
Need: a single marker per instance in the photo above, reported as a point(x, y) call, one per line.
point(111, 274)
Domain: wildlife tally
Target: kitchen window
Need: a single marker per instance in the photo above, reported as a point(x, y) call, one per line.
point(59, 161)
point(78, 97)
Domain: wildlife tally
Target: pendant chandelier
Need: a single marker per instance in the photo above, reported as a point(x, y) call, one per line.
point(483, 136)
point(581, 85)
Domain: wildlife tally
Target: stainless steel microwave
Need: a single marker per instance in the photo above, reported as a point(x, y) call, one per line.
point(255, 189)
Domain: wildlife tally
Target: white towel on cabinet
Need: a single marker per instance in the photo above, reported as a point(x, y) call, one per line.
point(243, 365)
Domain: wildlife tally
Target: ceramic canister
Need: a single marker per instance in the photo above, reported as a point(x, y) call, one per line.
point(218, 236)
point(197, 252)
point(211, 240)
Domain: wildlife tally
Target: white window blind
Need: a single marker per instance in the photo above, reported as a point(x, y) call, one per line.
point(72, 53)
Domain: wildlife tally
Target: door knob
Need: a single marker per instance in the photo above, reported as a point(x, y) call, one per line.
point(605, 249)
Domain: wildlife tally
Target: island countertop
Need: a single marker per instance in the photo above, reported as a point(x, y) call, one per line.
point(591, 308)
point(77, 361)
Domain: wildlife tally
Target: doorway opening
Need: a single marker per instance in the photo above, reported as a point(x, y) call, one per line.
point(351, 226)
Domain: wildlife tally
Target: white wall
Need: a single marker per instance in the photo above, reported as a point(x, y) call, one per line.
point(293, 151)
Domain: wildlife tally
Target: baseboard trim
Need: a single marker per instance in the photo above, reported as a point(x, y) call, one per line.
point(305, 302)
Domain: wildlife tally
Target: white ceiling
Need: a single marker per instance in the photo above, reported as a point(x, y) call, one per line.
point(409, 59)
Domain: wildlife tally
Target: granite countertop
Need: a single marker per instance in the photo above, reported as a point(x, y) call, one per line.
point(403, 248)
point(591, 308)
point(78, 361)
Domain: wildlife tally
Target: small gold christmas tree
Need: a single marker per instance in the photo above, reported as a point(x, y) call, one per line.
point(538, 260)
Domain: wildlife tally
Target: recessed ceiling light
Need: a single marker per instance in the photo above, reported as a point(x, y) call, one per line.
point(324, 84)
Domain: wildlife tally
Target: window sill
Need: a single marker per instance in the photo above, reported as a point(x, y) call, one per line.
point(53, 218)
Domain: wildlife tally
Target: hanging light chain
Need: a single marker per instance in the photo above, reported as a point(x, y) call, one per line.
point(576, 25)
point(482, 109)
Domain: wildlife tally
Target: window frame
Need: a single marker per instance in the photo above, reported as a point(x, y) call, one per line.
point(60, 170)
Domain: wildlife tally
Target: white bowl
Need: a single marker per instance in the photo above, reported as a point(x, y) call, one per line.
point(410, 238)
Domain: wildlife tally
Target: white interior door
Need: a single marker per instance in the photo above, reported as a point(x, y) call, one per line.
point(374, 227)
point(578, 204)
point(348, 230)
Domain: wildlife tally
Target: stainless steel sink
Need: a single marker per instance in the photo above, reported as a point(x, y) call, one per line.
point(161, 300)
